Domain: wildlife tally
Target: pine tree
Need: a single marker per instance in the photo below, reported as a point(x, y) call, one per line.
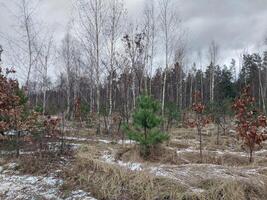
point(145, 129)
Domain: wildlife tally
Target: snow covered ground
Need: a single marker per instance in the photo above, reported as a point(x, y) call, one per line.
point(14, 186)
point(190, 174)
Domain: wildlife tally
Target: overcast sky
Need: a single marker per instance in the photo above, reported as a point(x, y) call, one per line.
point(236, 25)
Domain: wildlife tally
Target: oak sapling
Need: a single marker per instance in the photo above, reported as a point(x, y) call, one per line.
point(15, 115)
point(200, 120)
point(219, 113)
point(250, 124)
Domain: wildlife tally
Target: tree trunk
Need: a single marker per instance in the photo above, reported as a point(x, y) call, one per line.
point(212, 83)
point(200, 143)
point(163, 97)
point(18, 144)
point(218, 134)
point(261, 92)
point(191, 91)
point(251, 155)
point(133, 89)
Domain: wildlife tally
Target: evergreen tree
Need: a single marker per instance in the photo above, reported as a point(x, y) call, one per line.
point(145, 125)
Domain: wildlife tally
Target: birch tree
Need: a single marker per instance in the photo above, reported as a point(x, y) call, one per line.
point(92, 18)
point(116, 13)
point(29, 35)
point(169, 22)
point(213, 53)
point(150, 41)
point(44, 60)
point(134, 49)
point(66, 54)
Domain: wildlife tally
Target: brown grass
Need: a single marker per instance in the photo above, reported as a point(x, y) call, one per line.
point(107, 181)
point(42, 164)
point(233, 190)
point(159, 154)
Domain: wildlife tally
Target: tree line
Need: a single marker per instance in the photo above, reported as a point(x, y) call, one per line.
point(106, 61)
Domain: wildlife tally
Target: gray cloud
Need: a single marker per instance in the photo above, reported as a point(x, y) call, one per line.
point(234, 24)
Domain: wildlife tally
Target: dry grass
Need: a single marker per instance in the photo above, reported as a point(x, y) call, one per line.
point(232, 190)
point(160, 154)
point(107, 181)
point(110, 182)
point(227, 190)
point(42, 164)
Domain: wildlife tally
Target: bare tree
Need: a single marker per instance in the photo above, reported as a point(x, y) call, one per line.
point(150, 41)
point(199, 55)
point(66, 54)
point(44, 60)
point(213, 54)
point(27, 23)
point(134, 49)
point(92, 18)
point(169, 22)
point(116, 13)
point(179, 59)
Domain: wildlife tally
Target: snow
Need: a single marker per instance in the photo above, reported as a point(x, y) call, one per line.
point(131, 165)
point(107, 157)
point(24, 186)
point(104, 141)
point(15, 133)
point(79, 139)
point(80, 194)
point(126, 142)
point(197, 190)
point(18, 187)
point(82, 139)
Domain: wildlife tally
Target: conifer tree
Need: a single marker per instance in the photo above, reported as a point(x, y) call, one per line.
point(145, 129)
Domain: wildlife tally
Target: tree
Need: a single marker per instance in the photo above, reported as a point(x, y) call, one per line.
point(249, 123)
point(213, 56)
point(26, 43)
point(116, 13)
point(92, 17)
point(168, 23)
point(150, 39)
point(44, 58)
point(134, 49)
point(67, 57)
point(14, 115)
point(200, 121)
point(145, 117)
point(219, 111)
point(172, 113)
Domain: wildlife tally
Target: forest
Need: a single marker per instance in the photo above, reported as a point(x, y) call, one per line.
point(117, 106)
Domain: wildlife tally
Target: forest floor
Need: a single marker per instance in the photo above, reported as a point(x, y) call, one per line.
point(108, 168)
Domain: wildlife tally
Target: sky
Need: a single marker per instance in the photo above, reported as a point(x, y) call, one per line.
point(236, 25)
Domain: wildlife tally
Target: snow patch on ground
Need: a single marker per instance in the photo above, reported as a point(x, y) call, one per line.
point(20, 187)
point(24, 187)
point(107, 157)
point(126, 142)
point(80, 194)
point(83, 139)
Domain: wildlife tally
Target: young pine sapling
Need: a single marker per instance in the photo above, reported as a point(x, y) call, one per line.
point(146, 122)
